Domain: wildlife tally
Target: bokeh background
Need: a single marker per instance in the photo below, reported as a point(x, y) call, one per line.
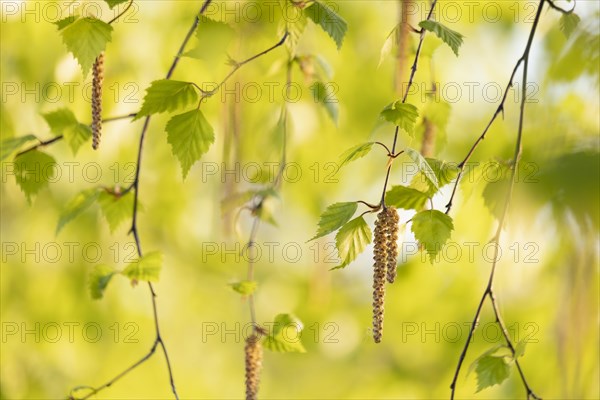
point(547, 281)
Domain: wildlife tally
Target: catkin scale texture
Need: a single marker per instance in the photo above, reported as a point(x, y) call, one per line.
point(379, 273)
point(392, 244)
point(253, 350)
point(97, 81)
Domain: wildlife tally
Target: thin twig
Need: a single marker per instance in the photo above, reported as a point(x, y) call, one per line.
point(489, 291)
point(121, 13)
point(413, 71)
point(238, 65)
point(44, 143)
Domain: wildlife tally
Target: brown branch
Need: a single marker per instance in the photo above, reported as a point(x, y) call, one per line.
point(489, 291)
point(134, 231)
point(44, 143)
point(238, 65)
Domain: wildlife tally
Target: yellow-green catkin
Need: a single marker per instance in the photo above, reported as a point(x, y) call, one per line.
point(253, 352)
point(392, 244)
point(379, 272)
point(98, 80)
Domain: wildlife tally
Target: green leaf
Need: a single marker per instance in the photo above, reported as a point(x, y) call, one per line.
point(99, 280)
point(294, 22)
point(63, 23)
point(520, 348)
point(432, 229)
point(213, 39)
point(167, 95)
point(190, 136)
point(334, 217)
point(33, 171)
point(285, 335)
point(63, 122)
point(86, 38)
point(491, 370)
point(444, 172)
point(12, 145)
point(351, 240)
point(568, 23)
point(388, 45)
point(423, 166)
point(77, 135)
point(147, 268)
point(406, 198)
point(245, 288)
point(113, 3)
point(81, 202)
point(328, 20)
point(355, 153)
point(401, 114)
point(448, 36)
point(59, 120)
point(323, 94)
point(116, 208)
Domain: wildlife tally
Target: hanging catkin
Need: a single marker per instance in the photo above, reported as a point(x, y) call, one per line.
point(392, 244)
point(253, 351)
point(379, 272)
point(98, 78)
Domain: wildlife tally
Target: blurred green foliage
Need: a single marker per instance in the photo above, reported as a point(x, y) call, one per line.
point(55, 336)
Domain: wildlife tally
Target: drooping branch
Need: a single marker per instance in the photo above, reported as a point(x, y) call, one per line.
point(489, 290)
point(158, 341)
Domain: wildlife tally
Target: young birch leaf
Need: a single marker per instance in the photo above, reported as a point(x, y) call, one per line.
point(59, 120)
point(520, 348)
point(190, 136)
point(77, 135)
point(448, 36)
point(432, 229)
point(443, 171)
point(334, 217)
point(356, 152)
point(63, 23)
point(245, 288)
point(491, 370)
point(406, 198)
point(11, 145)
point(33, 171)
point(423, 166)
point(115, 209)
point(401, 114)
point(328, 20)
point(325, 96)
point(113, 3)
point(213, 39)
point(351, 240)
point(568, 23)
point(86, 38)
point(388, 45)
point(76, 206)
point(285, 337)
point(167, 95)
point(147, 268)
point(99, 280)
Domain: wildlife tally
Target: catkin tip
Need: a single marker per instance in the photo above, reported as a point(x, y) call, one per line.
point(253, 350)
point(97, 81)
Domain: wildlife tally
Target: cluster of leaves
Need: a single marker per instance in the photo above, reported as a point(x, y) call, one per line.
point(432, 228)
point(146, 268)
